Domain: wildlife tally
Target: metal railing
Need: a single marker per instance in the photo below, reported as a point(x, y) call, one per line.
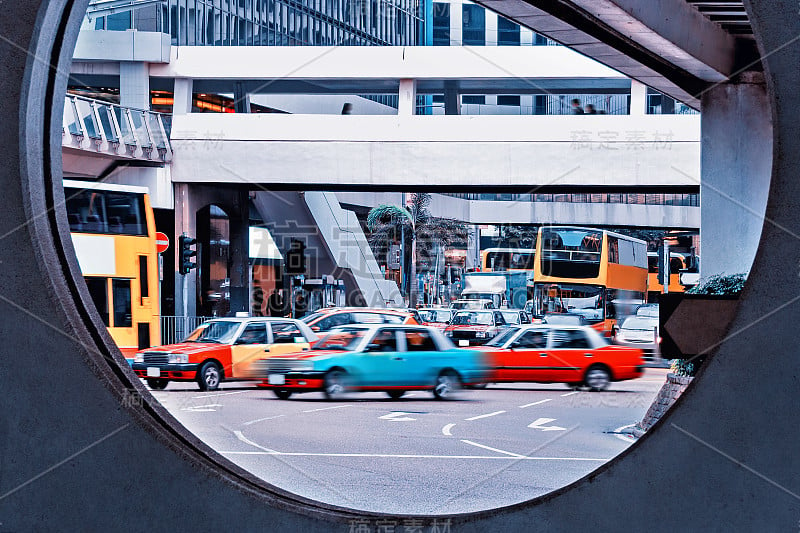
point(176, 328)
point(115, 130)
point(673, 199)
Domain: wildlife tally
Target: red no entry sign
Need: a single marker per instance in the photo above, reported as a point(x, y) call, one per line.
point(162, 242)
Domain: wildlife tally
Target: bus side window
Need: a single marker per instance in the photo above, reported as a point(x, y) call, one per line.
point(121, 294)
point(98, 290)
point(144, 285)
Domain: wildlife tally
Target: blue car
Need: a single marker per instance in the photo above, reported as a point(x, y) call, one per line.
point(389, 358)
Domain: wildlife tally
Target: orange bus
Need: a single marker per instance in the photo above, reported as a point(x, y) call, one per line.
point(677, 262)
point(113, 232)
point(596, 274)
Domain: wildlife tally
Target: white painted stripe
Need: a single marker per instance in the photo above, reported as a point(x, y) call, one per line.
point(262, 419)
point(221, 394)
point(326, 408)
point(446, 430)
point(535, 403)
point(485, 416)
point(492, 449)
point(407, 456)
point(571, 393)
point(241, 437)
point(624, 438)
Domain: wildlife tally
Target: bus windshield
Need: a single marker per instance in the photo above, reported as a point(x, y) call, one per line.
point(571, 253)
point(509, 260)
point(584, 300)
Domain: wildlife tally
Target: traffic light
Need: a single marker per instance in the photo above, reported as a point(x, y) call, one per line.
point(185, 244)
point(661, 265)
point(296, 258)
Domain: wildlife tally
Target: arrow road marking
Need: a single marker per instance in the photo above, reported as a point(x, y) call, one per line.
point(446, 430)
point(540, 424)
point(397, 416)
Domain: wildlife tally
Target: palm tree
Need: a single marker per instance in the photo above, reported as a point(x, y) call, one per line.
point(424, 232)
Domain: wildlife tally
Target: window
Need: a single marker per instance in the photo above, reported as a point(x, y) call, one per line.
point(508, 99)
point(385, 340)
point(255, 333)
point(473, 25)
point(419, 341)
point(473, 99)
point(338, 319)
point(367, 318)
point(441, 24)
point(507, 32)
point(499, 320)
point(121, 294)
point(392, 319)
point(91, 211)
point(143, 335)
point(570, 339)
point(98, 290)
point(144, 287)
point(536, 340)
point(286, 333)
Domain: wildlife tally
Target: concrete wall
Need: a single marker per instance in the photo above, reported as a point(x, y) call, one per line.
point(507, 212)
point(442, 150)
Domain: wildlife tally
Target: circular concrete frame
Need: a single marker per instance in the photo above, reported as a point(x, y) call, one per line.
point(83, 446)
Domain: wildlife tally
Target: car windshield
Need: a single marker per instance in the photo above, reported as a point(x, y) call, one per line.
point(308, 319)
point(501, 339)
point(221, 332)
point(435, 315)
point(640, 323)
point(511, 317)
point(342, 339)
point(647, 310)
point(472, 318)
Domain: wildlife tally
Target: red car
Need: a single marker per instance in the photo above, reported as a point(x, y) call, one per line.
point(575, 355)
point(471, 327)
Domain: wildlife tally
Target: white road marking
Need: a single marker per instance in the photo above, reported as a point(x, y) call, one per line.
point(446, 430)
point(623, 437)
point(540, 424)
point(535, 403)
point(262, 419)
point(221, 394)
point(201, 408)
point(518, 456)
point(408, 456)
point(397, 416)
point(485, 416)
point(571, 393)
point(326, 408)
point(241, 437)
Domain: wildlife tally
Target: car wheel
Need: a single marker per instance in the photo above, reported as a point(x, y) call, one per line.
point(478, 386)
point(395, 394)
point(209, 376)
point(157, 384)
point(282, 394)
point(335, 384)
point(597, 378)
point(446, 384)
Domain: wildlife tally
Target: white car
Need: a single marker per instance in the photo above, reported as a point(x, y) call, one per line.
point(639, 331)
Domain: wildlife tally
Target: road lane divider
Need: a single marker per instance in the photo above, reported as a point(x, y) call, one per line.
point(512, 454)
point(570, 393)
point(535, 403)
point(484, 416)
point(262, 419)
point(326, 408)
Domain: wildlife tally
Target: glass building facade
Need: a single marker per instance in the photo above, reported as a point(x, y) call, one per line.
point(278, 22)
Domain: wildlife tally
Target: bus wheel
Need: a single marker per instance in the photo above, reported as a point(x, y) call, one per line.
point(157, 384)
point(209, 376)
point(597, 378)
point(282, 394)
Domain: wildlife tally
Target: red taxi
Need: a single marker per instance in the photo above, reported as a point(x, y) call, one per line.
point(469, 327)
point(546, 353)
point(222, 349)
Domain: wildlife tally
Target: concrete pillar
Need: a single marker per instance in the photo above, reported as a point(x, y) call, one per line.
point(638, 99)
point(241, 99)
point(473, 248)
point(525, 37)
point(452, 99)
point(182, 96)
point(407, 101)
point(134, 84)
point(491, 28)
point(735, 170)
point(456, 28)
point(240, 252)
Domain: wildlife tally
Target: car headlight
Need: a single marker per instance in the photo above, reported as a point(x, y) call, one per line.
point(178, 358)
point(138, 358)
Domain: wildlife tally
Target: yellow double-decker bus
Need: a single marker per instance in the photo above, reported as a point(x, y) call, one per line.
point(113, 232)
point(596, 274)
point(507, 259)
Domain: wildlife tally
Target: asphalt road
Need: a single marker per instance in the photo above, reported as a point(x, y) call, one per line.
point(483, 449)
